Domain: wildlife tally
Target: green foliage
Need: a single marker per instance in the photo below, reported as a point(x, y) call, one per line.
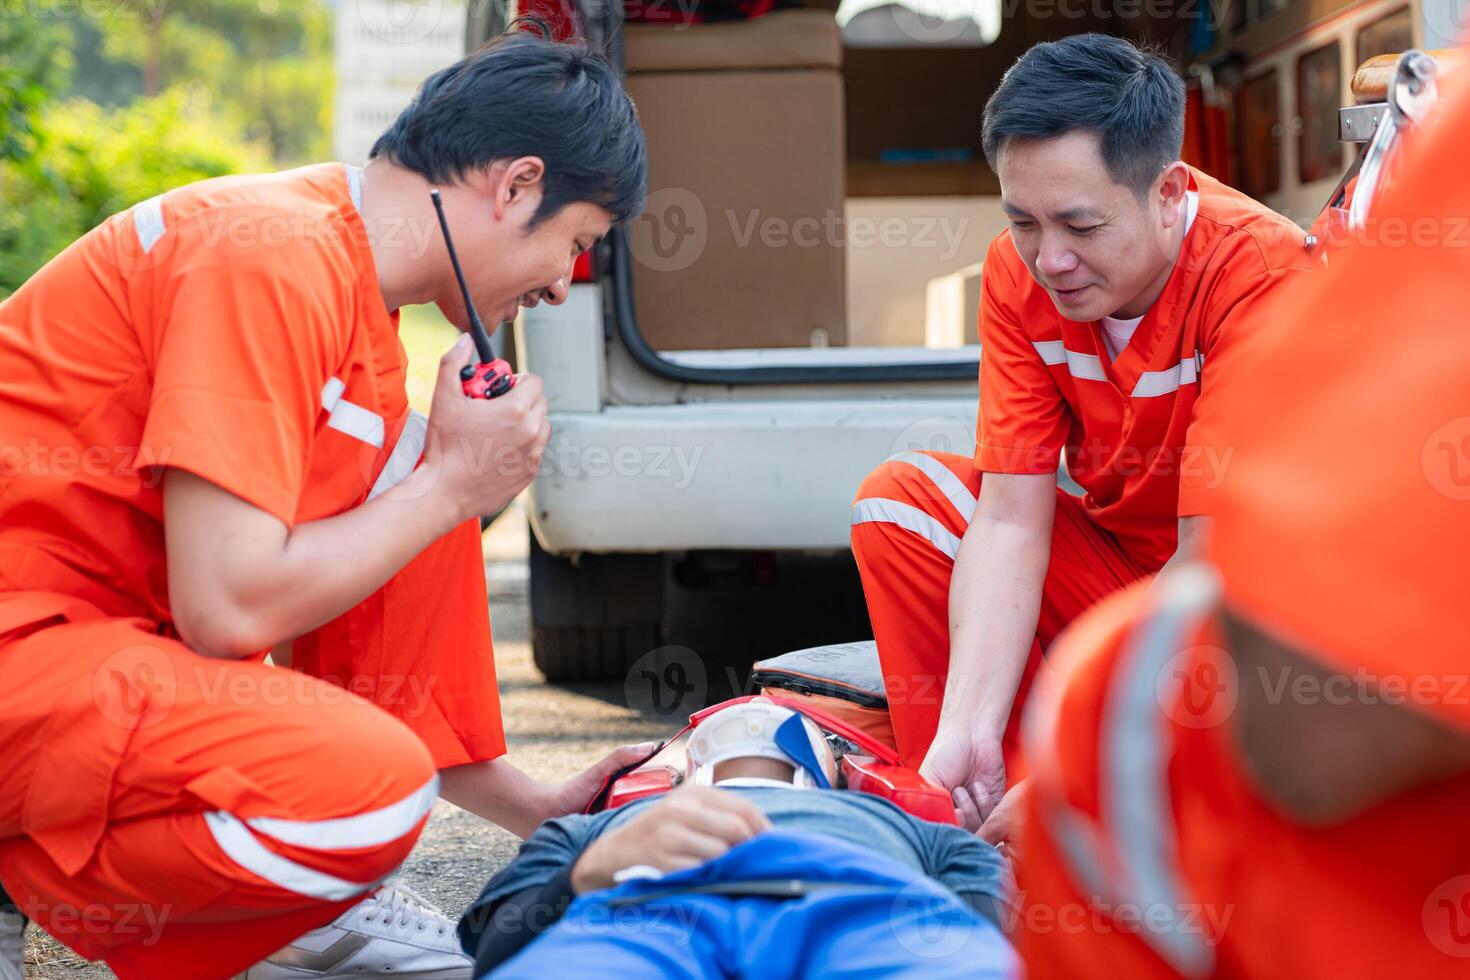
point(228, 86)
point(37, 218)
point(33, 64)
point(92, 162)
point(267, 63)
point(111, 159)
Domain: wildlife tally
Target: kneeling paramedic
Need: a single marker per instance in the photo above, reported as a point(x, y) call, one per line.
point(1112, 321)
point(208, 453)
point(753, 867)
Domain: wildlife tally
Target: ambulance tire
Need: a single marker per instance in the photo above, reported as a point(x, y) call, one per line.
point(592, 618)
point(590, 653)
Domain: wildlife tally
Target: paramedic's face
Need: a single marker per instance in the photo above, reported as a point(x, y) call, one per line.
point(511, 264)
point(1089, 241)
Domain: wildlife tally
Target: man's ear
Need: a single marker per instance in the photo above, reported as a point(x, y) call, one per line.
point(516, 183)
point(1169, 192)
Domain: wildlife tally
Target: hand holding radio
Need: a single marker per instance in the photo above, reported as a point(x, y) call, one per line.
point(483, 453)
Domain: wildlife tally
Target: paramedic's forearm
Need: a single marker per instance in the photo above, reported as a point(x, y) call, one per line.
point(497, 791)
point(994, 602)
point(240, 581)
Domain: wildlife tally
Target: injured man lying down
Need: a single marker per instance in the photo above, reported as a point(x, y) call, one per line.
point(754, 866)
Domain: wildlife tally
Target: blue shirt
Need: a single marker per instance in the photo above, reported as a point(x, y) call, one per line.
point(952, 856)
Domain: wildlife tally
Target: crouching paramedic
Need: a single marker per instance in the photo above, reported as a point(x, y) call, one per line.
point(1260, 766)
point(208, 453)
point(1110, 325)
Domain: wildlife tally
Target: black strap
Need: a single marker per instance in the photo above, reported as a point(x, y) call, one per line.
point(780, 888)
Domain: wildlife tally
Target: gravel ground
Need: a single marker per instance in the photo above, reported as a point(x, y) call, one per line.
point(553, 733)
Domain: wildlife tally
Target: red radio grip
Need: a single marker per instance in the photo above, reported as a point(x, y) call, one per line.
point(488, 379)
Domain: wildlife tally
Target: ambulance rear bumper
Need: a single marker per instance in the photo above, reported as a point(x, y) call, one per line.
point(765, 475)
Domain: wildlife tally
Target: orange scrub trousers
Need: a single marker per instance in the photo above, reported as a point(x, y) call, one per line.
point(1139, 433)
point(174, 815)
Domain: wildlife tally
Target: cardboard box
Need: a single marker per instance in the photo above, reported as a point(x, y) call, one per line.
point(742, 241)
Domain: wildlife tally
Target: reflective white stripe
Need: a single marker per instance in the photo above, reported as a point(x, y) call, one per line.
point(879, 510)
point(1151, 384)
point(405, 455)
point(332, 392)
point(361, 830)
point(1051, 351)
point(1081, 843)
point(354, 184)
point(1086, 367)
point(1135, 767)
point(944, 480)
point(148, 222)
point(354, 420)
point(1076, 834)
point(241, 846)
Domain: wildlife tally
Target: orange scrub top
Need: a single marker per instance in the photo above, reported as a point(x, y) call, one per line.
point(233, 328)
point(1141, 434)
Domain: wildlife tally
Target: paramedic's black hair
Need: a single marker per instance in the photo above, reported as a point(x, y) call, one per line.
point(521, 94)
point(1131, 98)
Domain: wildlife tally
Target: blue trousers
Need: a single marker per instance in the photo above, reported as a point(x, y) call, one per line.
point(893, 921)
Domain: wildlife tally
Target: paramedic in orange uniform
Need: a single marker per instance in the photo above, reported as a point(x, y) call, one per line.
point(1260, 766)
point(1109, 322)
point(208, 453)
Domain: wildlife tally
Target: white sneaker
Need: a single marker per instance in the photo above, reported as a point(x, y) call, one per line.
point(12, 940)
point(391, 933)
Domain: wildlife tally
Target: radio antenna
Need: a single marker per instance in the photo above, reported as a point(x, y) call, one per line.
point(478, 333)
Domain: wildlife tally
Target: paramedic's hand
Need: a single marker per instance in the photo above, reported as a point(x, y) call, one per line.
point(1005, 820)
point(485, 451)
point(571, 795)
point(689, 826)
point(971, 766)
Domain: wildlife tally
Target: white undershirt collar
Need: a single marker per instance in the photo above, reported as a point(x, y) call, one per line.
point(354, 185)
point(755, 781)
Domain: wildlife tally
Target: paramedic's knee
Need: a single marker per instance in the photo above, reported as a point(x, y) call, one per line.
point(879, 484)
point(382, 785)
point(915, 478)
point(379, 758)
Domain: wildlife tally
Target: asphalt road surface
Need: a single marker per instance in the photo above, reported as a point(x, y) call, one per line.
point(553, 733)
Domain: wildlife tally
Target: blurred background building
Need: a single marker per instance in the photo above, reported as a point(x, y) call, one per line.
point(382, 50)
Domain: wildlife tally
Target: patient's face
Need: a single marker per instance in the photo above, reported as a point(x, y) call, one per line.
point(754, 767)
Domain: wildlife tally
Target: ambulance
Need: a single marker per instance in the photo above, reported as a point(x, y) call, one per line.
point(797, 303)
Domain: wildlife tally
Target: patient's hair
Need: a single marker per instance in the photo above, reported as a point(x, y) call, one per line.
point(1131, 98)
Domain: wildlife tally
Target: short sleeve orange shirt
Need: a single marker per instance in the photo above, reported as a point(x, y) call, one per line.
point(1141, 435)
point(233, 328)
